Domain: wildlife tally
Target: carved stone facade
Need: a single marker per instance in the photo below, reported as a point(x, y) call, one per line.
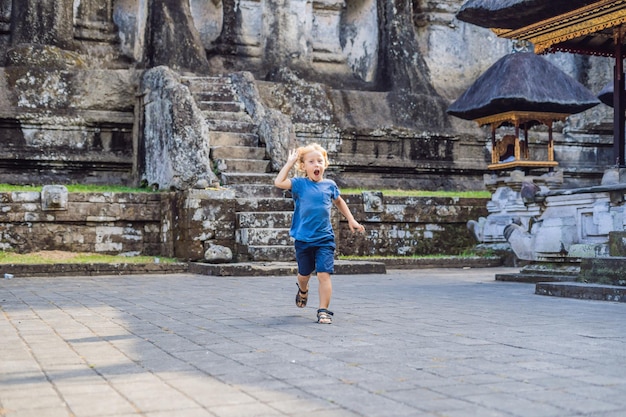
point(371, 80)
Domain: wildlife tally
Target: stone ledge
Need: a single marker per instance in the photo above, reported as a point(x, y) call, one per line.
point(342, 267)
point(443, 262)
point(280, 268)
point(582, 291)
point(534, 278)
point(44, 270)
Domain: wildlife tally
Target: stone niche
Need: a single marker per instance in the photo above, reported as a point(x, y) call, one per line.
point(54, 197)
point(83, 149)
point(318, 37)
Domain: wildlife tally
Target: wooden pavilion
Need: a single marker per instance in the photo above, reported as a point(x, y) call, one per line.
point(521, 90)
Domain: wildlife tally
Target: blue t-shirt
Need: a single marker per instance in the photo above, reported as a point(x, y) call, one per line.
point(311, 215)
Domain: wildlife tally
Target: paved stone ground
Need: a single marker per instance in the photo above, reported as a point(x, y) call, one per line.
point(428, 342)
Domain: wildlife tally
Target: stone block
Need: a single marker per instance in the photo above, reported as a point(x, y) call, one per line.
point(582, 291)
point(588, 250)
point(617, 243)
point(610, 271)
point(372, 201)
point(54, 197)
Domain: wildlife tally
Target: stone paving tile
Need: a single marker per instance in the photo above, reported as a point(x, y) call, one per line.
point(439, 342)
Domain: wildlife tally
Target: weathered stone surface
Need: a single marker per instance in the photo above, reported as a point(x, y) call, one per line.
point(439, 262)
point(609, 270)
point(176, 136)
point(408, 226)
point(68, 269)
point(69, 124)
point(617, 243)
point(54, 197)
point(216, 254)
point(570, 218)
point(281, 268)
point(544, 272)
point(174, 40)
point(185, 224)
point(110, 223)
point(43, 22)
point(203, 216)
point(582, 291)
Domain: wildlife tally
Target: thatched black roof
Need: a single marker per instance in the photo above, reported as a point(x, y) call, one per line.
point(606, 94)
point(514, 14)
point(522, 82)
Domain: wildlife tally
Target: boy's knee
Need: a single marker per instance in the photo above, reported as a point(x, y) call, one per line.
point(323, 276)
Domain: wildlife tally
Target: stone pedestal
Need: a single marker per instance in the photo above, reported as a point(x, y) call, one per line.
point(512, 201)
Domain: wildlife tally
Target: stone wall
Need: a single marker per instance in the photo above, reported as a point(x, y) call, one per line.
point(185, 224)
point(408, 225)
point(107, 223)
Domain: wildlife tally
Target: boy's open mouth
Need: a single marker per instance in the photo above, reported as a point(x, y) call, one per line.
point(316, 172)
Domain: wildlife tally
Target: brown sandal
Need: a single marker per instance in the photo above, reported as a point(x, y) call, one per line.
point(324, 316)
point(301, 297)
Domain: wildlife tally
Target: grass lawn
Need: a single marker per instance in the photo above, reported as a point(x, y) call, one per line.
point(62, 257)
point(79, 188)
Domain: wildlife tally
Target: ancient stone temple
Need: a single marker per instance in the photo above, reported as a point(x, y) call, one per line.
point(176, 93)
point(205, 98)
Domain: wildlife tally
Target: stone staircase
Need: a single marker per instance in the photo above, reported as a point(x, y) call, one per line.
point(263, 213)
point(262, 230)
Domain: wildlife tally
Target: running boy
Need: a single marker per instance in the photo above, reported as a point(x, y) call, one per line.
point(311, 227)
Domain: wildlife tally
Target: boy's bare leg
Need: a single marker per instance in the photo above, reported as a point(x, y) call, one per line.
point(303, 290)
point(303, 282)
point(325, 289)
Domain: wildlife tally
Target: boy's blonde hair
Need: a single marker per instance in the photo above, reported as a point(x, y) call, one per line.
point(303, 150)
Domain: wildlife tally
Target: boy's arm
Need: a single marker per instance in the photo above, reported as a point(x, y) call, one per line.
point(340, 203)
point(282, 181)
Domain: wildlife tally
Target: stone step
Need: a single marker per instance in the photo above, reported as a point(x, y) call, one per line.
point(233, 139)
point(242, 165)
point(256, 191)
point(239, 152)
point(269, 253)
point(264, 204)
point(265, 219)
point(233, 178)
point(218, 92)
point(222, 106)
point(240, 116)
point(543, 272)
point(207, 84)
point(582, 291)
point(534, 277)
point(235, 126)
point(263, 237)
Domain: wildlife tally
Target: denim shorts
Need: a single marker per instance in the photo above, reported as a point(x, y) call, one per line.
point(315, 256)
